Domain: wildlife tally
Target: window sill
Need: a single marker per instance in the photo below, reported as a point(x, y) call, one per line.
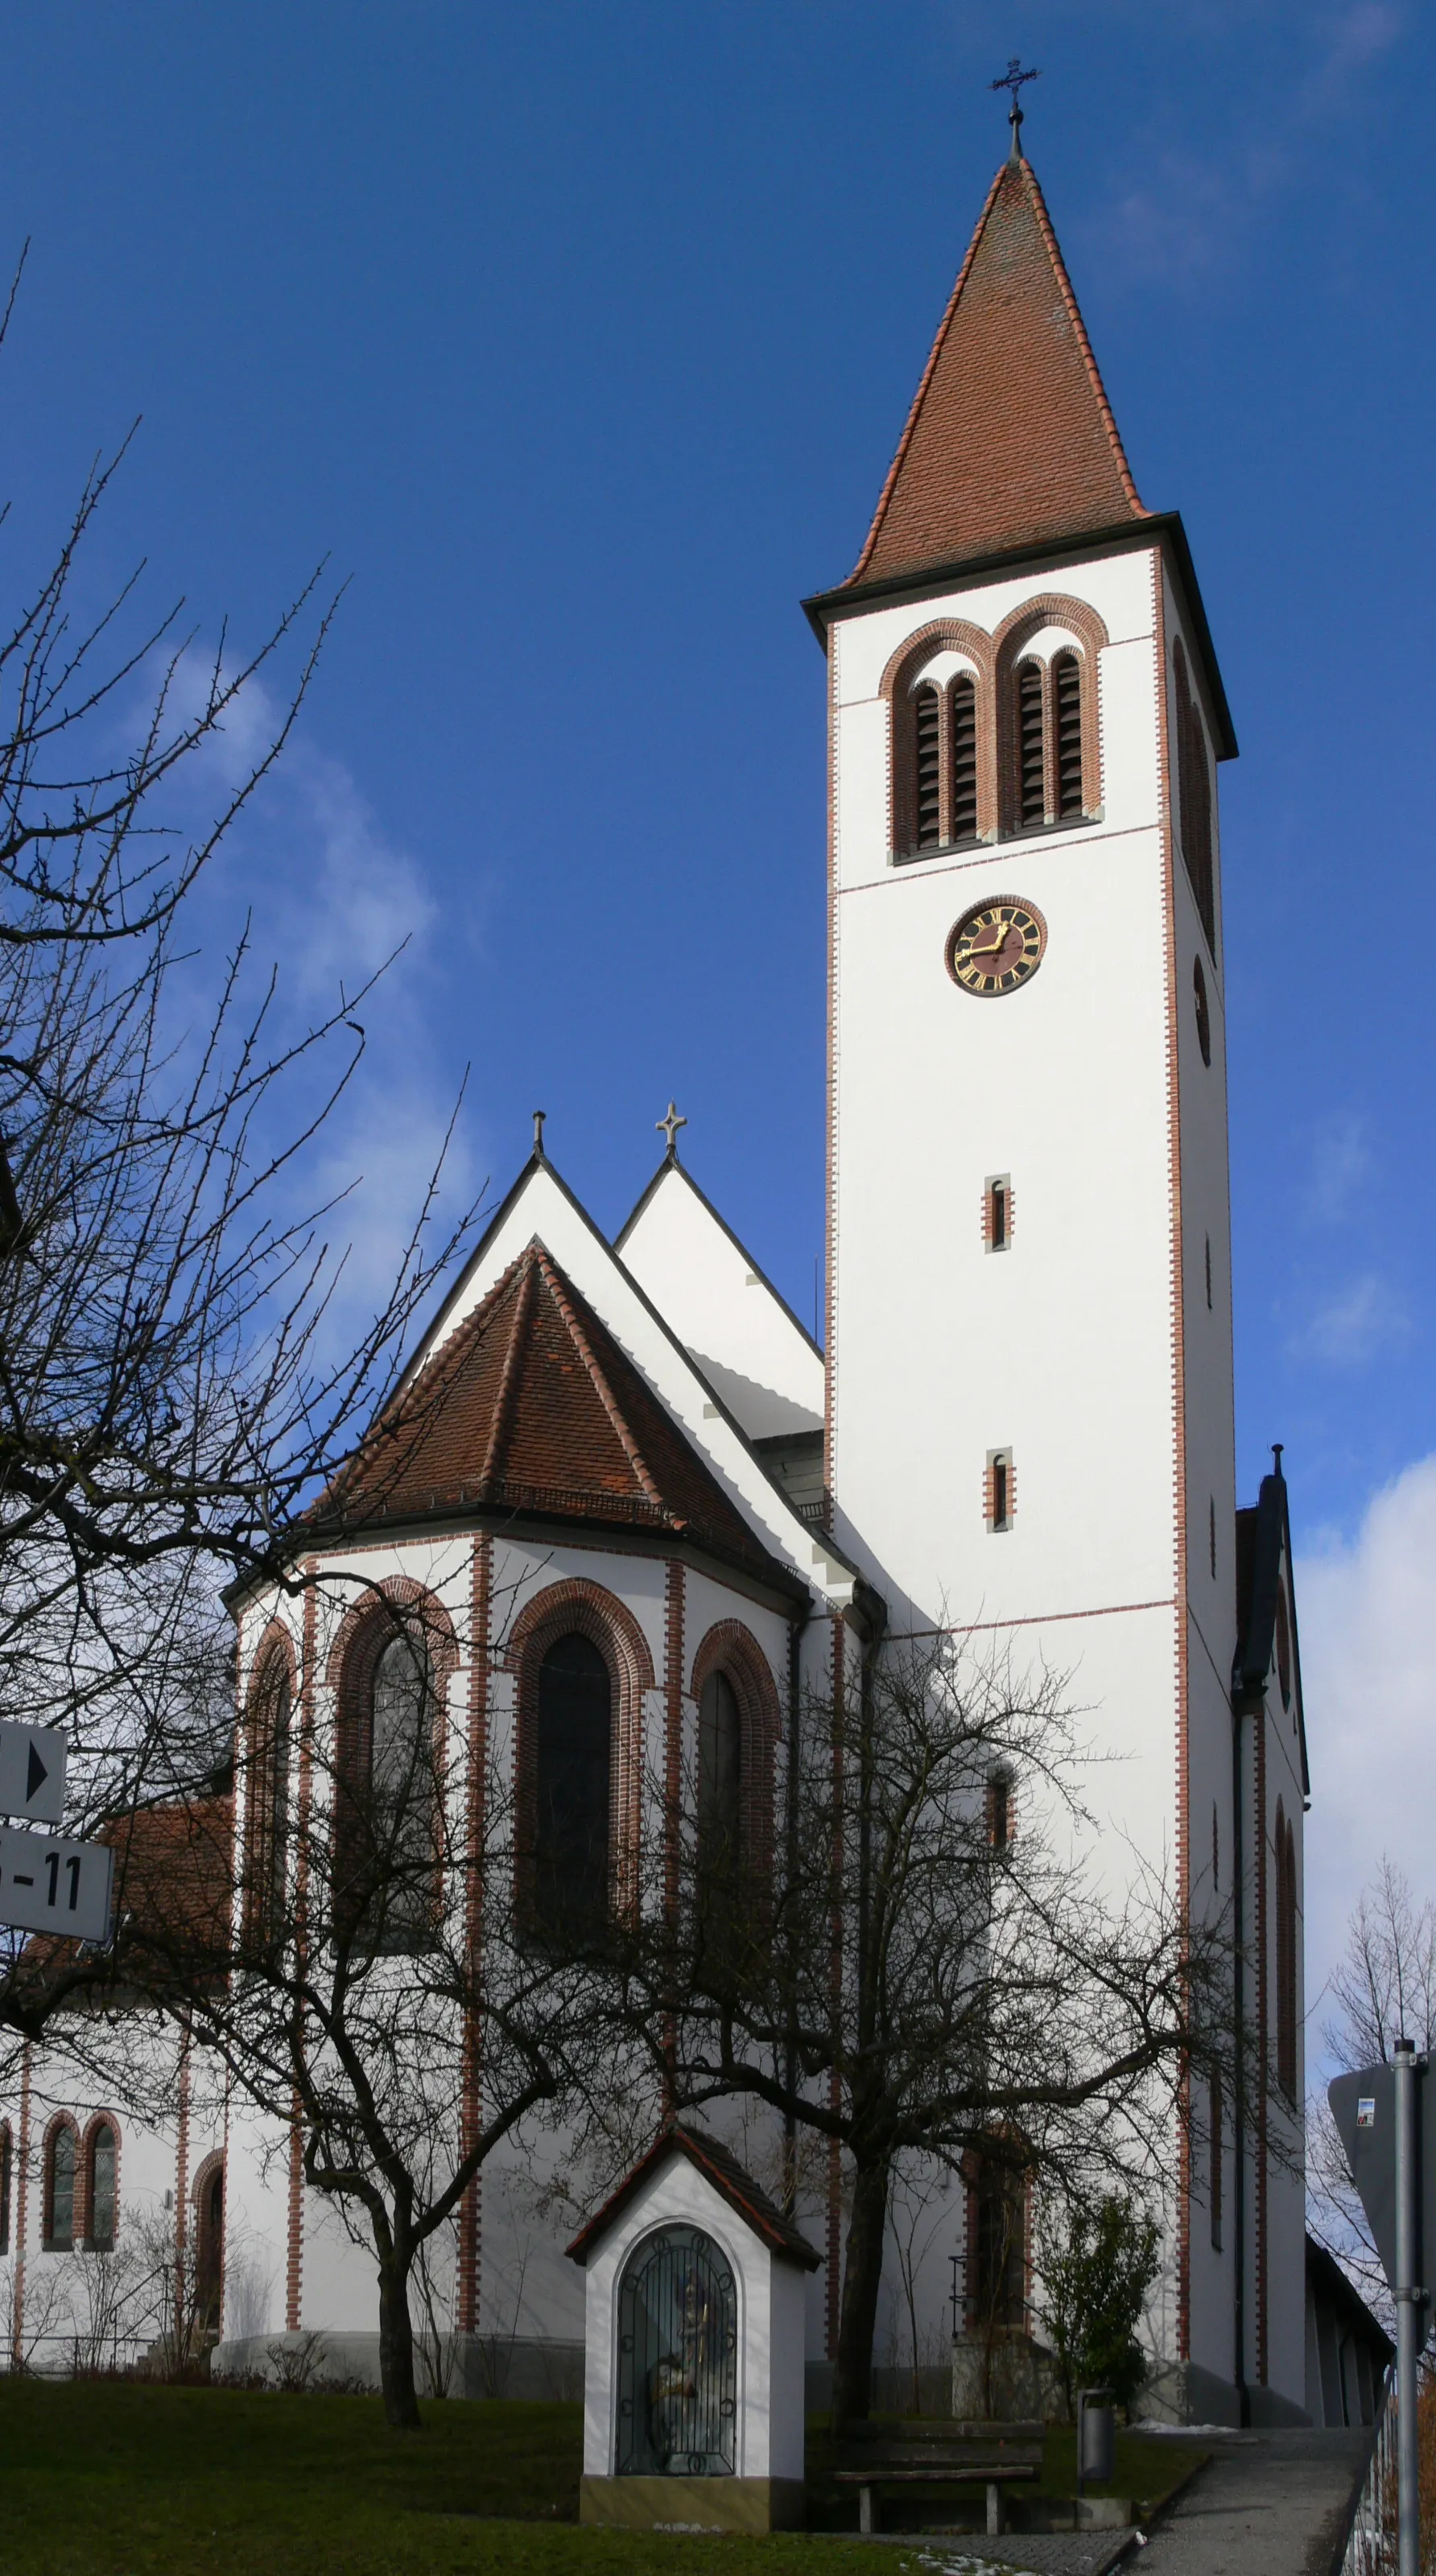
point(980, 844)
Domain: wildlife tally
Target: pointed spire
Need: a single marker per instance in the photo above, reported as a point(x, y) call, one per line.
point(1010, 441)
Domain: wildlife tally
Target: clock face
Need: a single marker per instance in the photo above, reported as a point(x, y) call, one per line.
point(996, 946)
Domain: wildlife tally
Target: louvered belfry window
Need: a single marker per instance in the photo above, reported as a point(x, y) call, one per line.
point(928, 739)
point(1068, 691)
point(1032, 796)
point(963, 721)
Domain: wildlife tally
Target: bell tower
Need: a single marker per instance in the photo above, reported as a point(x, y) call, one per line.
point(1029, 1398)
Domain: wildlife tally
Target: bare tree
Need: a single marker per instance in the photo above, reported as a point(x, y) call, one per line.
point(930, 1970)
point(373, 1989)
point(1384, 1989)
point(174, 1391)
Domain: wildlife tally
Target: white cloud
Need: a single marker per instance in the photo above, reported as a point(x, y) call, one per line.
point(331, 899)
point(1192, 213)
point(1368, 1656)
point(1354, 1324)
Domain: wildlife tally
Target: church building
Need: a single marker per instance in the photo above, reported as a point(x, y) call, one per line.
point(640, 1478)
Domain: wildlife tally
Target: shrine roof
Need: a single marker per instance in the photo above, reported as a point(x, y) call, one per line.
point(728, 2178)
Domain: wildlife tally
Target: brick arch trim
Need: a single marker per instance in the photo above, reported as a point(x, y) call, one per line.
point(730, 1648)
point(373, 1621)
point(939, 634)
point(1052, 608)
point(85, 2174)
point(561, 1610)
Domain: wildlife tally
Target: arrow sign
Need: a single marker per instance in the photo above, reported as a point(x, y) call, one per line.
point(50, 1884)
point(32, 1773)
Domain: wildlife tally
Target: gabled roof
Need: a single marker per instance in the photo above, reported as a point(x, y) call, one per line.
point(1010, 441)
point(1263, 1563)
point(529, 1405)
point(727, 2177)
point(737, 1326)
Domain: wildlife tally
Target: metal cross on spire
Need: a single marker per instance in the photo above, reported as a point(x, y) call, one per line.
point(669, 1127)
point(1012, 79)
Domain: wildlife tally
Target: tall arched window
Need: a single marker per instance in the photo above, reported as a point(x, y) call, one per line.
point(573, 1759)
point(403, 1792)
point(267, 1800)
point(58, 2230)
point(209, 2244)
point(101, 2187)
point(1285, 1953)
point(5, 2178)
point(720, 1771)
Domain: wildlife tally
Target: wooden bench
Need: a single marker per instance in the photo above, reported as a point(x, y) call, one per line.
point(934, 2452)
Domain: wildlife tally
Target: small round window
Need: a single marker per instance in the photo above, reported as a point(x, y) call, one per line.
point(1204, 1012)
point(677, 2359)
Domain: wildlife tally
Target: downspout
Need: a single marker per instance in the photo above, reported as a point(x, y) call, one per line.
point(1239, 2187)
point(790, 1839)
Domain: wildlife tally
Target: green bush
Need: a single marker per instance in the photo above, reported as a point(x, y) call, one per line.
point(1096, 2281)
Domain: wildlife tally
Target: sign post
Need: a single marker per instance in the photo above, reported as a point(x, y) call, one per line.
point(1410, 2323)
point(1391, 2150)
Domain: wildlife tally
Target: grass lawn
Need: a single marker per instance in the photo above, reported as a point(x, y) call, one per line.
point(107, 2478)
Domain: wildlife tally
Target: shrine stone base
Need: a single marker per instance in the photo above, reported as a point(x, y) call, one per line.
point(694, 2504)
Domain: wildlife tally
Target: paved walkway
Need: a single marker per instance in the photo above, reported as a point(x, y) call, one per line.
point(1267, 2504)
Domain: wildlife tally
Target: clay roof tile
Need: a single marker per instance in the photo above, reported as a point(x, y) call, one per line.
point(1010, 441)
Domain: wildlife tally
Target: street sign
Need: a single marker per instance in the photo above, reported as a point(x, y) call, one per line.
point(50, 1884)
point(1364, 2109)
point(32, 1773)
point(1381, 2120)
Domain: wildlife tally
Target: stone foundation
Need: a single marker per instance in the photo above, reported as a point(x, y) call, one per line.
point(693, 2504)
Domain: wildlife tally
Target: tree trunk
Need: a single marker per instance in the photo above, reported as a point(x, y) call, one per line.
point(396, 2347)
point(862, 2279)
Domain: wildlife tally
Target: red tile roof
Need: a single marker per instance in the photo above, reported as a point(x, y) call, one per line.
point(727, 2176)
point(531, 1406)
point(1010, 441)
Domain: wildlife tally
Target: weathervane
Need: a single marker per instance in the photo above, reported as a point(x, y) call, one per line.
point(670, 1126)
point(1012, 79)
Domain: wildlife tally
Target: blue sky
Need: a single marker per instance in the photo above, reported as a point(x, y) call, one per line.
point(580, 339)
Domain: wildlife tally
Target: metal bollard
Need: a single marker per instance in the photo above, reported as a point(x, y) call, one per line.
point(1096, 2437)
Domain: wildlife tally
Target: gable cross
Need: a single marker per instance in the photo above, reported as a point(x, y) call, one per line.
point(669, 1127)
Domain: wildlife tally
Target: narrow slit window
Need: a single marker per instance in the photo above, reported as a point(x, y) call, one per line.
point(1032, 793)
point(999, 1811)
point(999, 1489)
point(1068, 677)
point(1212, 1533)
point(928, 800)
point(963, 721)
point(997, 1213)
point(1209, 1270)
